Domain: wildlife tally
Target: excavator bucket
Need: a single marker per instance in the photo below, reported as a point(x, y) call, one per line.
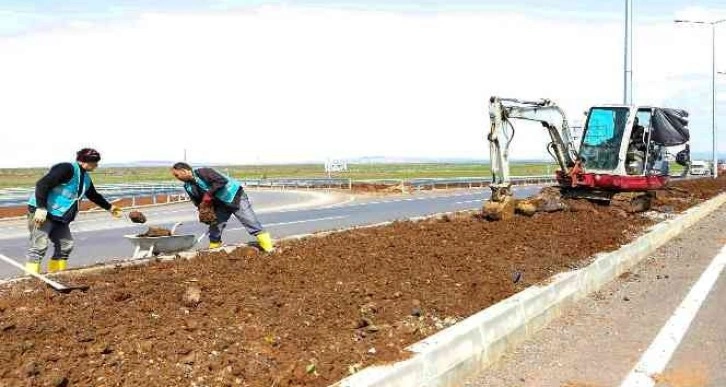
point(549, 199)
point(499, 210)
point(526, 207)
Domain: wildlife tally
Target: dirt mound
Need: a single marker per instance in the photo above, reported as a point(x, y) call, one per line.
point(683, 194)
point(677, 196)
point(309, 314)
point(381, 188)
point(701, 188)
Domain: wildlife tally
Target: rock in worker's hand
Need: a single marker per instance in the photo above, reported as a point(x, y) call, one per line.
point(137, 217)
point(206, 213)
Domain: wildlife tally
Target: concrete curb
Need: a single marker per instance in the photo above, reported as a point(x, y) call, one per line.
point(451, 355)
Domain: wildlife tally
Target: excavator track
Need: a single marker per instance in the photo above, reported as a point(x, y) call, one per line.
point(553, 199)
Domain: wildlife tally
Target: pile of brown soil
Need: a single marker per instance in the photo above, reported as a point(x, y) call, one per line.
point(309, 314)
point(374, 188)
point(683, 194)
point(156, 232)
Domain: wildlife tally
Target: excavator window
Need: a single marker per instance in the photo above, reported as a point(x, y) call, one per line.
point(603, 135)
point(644, 116)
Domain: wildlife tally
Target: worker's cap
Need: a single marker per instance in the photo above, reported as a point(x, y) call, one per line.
point(88, 155)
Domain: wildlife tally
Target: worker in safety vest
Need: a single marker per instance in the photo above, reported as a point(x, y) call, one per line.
point(55, 204)
point(206, 185)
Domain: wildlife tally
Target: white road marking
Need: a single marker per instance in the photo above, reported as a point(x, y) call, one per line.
point(341, 204)
point(657, 356)
point(295, 222)
point(469, 201)
point(360, 204)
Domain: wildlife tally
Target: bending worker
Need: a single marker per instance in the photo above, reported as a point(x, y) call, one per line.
point(55, 204)
point(206, 185)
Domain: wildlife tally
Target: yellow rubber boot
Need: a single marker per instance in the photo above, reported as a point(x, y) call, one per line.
point(265, 241)
point(215, 245)
point(32, 267)
point(56, 265)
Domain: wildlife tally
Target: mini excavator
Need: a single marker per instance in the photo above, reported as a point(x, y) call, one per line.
point(621, 158)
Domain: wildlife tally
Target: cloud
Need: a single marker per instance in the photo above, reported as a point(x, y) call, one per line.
point(283, 84)
point(697, 13)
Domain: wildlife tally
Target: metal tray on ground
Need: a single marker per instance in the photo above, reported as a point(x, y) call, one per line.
point(147, 246)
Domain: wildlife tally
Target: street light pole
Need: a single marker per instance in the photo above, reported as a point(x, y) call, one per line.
point(713, 85)
point(713, 94)
point(628, 55)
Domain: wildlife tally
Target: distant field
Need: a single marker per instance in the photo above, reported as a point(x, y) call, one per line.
point(28, 177)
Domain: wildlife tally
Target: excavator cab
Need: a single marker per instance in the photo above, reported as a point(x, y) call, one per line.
point(624, 149)
point(619, 133)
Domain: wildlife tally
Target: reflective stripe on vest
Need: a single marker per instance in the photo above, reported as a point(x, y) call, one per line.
point(62, 197)
point(226, 194)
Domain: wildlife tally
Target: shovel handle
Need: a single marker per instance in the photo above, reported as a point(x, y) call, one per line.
point(43, 278)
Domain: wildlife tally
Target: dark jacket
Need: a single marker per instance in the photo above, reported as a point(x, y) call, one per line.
point(61, 174)
point(216, 181)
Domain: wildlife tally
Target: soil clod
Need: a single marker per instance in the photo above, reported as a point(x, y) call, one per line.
point(137, 217)
point(156, 232)
point(207, 214)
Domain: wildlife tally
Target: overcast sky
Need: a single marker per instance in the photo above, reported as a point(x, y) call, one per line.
point(274, 81)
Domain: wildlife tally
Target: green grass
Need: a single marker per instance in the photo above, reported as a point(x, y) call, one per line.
point(28, 177)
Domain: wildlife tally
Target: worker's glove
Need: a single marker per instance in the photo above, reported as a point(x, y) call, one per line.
point(116, 212)
point(207, 198)
point(39, 216)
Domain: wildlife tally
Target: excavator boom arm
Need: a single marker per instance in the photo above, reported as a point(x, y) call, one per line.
point(501, 111)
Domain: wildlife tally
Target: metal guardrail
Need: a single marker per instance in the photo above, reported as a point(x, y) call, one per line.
point(11, 197)
point(417, 183)
point(298, 183)
point(19, 196)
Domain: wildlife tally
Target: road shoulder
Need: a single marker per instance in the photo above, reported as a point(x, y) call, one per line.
point(597, 341)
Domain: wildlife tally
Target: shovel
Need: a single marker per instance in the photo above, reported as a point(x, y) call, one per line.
point(58, 287)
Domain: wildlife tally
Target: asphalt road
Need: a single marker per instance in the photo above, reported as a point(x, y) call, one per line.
point(263, 201)
point(100, 238)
